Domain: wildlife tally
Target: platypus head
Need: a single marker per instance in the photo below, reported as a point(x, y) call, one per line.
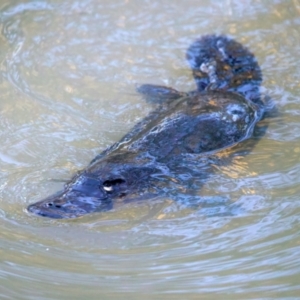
point(95, 189)
point(83, 194)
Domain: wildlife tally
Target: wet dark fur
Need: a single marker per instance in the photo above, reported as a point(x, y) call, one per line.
point(173, 147)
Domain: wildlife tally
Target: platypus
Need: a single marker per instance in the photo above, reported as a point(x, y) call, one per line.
point(169, 143)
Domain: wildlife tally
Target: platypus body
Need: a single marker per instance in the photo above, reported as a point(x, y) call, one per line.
point(167, 145)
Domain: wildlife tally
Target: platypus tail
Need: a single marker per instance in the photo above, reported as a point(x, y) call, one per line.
point(221, 63)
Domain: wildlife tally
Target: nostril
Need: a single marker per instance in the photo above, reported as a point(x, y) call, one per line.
point(51, 204)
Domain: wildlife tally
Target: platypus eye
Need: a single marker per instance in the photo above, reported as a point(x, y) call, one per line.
point(109, 185)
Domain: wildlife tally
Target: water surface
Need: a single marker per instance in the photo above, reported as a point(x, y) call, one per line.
point(68, 75)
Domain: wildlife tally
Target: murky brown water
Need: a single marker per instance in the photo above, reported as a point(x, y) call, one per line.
point(68, 75)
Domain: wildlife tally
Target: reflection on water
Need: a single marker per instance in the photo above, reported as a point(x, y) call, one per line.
point(68, 76)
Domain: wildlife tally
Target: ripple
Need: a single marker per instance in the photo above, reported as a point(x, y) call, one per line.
point(68, 72)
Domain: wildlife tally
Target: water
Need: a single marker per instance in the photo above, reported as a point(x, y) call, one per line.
point(68, 76)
